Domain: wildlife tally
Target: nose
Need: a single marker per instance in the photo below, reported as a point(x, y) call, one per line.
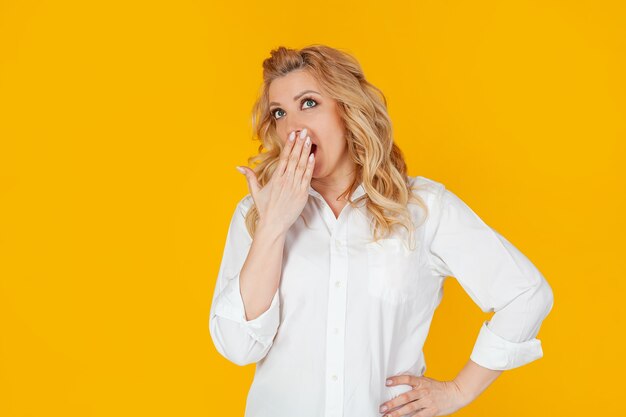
point(285, 135)
point(298, 130)
point(294, 123)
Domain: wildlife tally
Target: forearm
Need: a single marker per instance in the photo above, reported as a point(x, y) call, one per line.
point(473, 379)
point(260, 274)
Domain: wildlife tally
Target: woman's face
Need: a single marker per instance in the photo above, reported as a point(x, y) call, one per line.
point(296, 102)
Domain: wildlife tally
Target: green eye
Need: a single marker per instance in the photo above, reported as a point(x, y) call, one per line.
point(304, 100)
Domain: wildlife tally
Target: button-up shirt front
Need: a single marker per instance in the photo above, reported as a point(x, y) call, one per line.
point(349, 312)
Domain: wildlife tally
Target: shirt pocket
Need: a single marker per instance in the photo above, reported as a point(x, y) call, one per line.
point(393, 270)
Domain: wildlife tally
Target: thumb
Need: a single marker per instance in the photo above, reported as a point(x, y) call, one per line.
point(253, 183)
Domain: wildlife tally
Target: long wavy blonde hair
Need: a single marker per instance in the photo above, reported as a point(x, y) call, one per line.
point(363, 108)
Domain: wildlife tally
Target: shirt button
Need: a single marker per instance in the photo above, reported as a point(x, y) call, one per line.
point(334, 377)
point(337, 284)
point(336, 330)
point(338, 242)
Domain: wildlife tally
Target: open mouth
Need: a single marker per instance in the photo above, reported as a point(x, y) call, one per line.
point(313, 148)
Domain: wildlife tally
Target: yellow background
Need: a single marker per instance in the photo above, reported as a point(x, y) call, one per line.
point(121, 124)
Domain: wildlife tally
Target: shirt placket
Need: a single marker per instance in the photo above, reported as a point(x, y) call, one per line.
point(335, 328)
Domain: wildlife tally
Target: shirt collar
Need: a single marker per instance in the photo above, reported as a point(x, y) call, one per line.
point(358, 192)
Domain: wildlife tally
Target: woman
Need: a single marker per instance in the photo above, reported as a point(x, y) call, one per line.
point(334, 263)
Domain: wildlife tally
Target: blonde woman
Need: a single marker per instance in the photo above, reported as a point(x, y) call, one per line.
point(334, 262)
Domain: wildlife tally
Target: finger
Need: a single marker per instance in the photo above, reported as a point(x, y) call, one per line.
point(284, 155)
point(411, 380)
point(422, 412)
point(302, 162)
point(411, 408)
point(294, 156)
point(399, 401)
point(308, 173)
point(253, 183)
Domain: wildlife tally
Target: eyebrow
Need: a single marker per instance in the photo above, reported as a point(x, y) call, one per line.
point(296, 97)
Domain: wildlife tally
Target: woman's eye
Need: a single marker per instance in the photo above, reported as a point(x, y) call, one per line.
point(306, 100)
point(276, 111)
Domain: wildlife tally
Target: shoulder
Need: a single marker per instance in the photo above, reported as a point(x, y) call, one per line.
point(244, 204)
point(428, 189)
point(437, 196)
point(429, 192)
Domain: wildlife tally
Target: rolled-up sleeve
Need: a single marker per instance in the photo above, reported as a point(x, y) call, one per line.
point(239, 340)
point(497, 277)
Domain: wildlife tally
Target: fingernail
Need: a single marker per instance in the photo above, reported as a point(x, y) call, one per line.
point(292, 136)
point(240, 169)
point(308, 141)
point(383, 408)
point(389, 382)
point(303, 133)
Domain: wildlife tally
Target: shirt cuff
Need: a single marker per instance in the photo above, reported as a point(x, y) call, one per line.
point(493, 352)
point(229, 305)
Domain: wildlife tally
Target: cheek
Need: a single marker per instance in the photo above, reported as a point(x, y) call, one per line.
point(333, 134)
point(280, 133)
point(336, 150)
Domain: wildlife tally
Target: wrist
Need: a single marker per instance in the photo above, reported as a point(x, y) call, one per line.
point(271, 229)
point(461, 393)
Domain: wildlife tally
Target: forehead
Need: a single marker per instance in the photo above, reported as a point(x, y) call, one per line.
point(287, 86)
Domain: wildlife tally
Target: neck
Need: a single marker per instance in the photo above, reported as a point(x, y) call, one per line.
point(332, 186)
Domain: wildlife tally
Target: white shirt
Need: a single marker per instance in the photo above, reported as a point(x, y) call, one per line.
point(348, 313)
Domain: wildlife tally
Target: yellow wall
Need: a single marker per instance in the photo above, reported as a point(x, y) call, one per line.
point(120, 127)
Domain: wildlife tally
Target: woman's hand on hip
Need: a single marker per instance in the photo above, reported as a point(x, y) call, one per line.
point(283, 198)
point(428, 398)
